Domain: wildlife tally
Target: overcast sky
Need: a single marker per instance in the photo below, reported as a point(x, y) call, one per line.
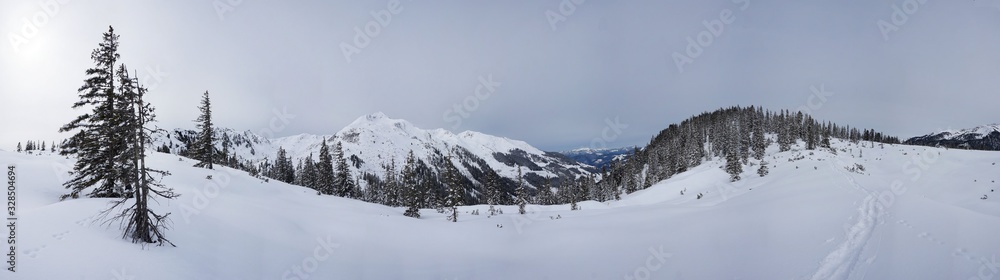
point(559, 71)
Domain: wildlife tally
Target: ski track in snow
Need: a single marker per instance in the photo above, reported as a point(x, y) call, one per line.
point(840, 262)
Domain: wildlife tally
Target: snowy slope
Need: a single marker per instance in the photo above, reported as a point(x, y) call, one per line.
point(913, 213)
point(376, 140)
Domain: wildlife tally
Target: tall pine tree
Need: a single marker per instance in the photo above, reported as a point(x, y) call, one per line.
point(324, 170)
point(453, 183)
point(492, 190)
point(522, 193)
point(343, 179)
point(205, 143)
point(97, 139)
point(411, 186)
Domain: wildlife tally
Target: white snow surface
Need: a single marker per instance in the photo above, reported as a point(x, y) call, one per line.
point(914, 213)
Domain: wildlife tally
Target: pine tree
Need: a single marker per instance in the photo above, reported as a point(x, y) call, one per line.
point(343, 180)
point(825, 143)
point(307, 174)
point(283, 170)
point(492, 190)
point(205, 142)
point(226, 143)
point(411, 184)
point(18, 147)
point(140, 223)
point(522, 193)
point(324, 171)
point(733, 167)
point(572, 193)
point(543, 194)
point(785, 138)
point(811, 132)
point(429, 186)
point(759, 142)
point(394, 193)
point(453, 183)
point(97, 140)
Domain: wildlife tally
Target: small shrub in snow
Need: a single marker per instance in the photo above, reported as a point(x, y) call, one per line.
point(762, 171)
point(857, 168)
point(412, 212)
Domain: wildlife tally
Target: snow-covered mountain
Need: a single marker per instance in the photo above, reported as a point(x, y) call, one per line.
point(985, 137)
point(375, 140)
point(598, 158)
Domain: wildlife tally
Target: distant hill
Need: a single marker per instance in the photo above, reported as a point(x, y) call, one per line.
point(598, 158)
point(985, 137)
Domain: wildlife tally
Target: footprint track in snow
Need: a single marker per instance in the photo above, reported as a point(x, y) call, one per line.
point(905, 224)
point(33, 253)
point(61, 235)
point(84, 222)
point(840, 262)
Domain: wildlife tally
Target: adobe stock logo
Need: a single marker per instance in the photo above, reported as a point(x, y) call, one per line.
point(704, 39)
point(566, 9)
point(460, 111)
point(224, 7)
point(32, 24)
point(899, 16)
point(363, 36)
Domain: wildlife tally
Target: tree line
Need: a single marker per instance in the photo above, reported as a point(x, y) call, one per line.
point(35, 145)
point(739, 135)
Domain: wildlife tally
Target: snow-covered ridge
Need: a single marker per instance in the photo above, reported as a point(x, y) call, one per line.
point(977, 132)
point(986, 137)
point(375, 140)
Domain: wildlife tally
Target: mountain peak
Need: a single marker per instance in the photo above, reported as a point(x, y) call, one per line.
point(377, 119)
point(376, 116)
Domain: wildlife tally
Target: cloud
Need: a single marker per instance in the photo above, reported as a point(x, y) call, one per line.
point(605, 60)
